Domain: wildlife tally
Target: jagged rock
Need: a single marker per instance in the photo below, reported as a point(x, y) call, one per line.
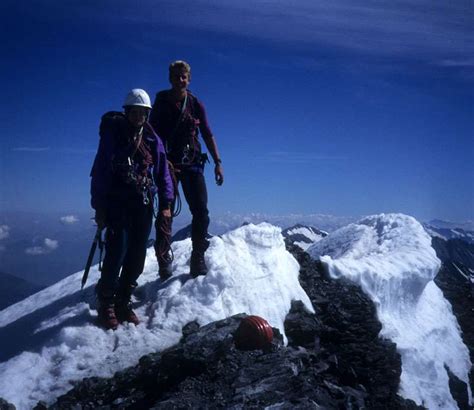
point(334, 360)
point(457, 258)
point(346, 333)
point(459, 390)
point(4, 405)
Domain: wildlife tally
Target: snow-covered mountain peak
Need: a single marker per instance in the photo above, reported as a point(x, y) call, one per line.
point(382, 236)
point(391, 258)
point(303, 235)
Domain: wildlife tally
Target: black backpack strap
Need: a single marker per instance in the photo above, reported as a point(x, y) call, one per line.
point(111, 122)
point(181, 114)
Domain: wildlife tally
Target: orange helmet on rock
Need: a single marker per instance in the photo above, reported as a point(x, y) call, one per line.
point(254, 332)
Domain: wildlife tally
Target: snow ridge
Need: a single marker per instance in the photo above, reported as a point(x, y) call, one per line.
point(49, 340)
point(391, 258)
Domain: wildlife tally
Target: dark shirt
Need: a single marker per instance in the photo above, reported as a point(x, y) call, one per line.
point(180, 130)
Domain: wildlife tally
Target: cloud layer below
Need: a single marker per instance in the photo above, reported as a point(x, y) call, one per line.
point(69, 219)
point(48, 246)
point(4, 231)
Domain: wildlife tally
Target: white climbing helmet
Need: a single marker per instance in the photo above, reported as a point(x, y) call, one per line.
point(137, 97)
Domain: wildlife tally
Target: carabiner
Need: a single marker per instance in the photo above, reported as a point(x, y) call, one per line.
point(146, 200)
point(185, 158)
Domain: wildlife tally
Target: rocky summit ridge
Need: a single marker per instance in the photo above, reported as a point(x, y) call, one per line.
point(334, 359)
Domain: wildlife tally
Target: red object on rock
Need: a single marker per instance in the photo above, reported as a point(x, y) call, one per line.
point(254, 332)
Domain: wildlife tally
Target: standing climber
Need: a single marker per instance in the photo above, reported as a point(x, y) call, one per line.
point(178, 117)
point(129, 168)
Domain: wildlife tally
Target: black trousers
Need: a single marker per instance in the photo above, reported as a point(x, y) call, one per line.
point(128, 228)
point(195, 193)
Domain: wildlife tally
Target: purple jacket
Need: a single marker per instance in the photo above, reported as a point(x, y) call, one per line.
point(176, 133)
point(109, 184)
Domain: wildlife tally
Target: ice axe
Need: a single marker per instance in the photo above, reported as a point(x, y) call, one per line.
point(97, 241)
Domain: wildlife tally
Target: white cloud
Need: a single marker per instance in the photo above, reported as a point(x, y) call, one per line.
point(48, 246)
point(423, 30)
point(35, 250)
point(4, 231)
point(390, 28)
point(69, 219)
point(458, 63)
point(51, 244)
point(30, 149)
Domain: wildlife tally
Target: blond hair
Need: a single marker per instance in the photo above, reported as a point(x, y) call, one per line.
point(179, 65)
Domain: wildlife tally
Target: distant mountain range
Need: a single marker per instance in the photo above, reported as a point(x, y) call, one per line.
point(444, 232)
point(13, 289)
point(228, 221)
point(438, 223)
point(303, 236)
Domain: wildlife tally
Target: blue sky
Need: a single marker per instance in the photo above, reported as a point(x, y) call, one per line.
point(338, 107)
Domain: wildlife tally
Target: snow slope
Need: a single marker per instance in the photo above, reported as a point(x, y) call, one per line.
point(391, 257)
point(49, 340)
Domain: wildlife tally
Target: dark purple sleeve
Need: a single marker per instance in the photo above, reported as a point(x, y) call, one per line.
point(162, 177)
point(204, 124)
point(158, 119)
point(101, 172)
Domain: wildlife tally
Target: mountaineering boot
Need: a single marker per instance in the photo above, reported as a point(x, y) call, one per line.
point(123, 304)
point(106, 308)
point(106, 316)
point(125, 313)
point(198, 264)
point(164, 271)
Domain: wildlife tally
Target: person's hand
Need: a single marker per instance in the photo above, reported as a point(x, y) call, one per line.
point(166, 213)
point(219, 173)
point(100, 218)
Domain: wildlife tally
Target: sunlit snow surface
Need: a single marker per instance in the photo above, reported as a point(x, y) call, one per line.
point(50, 340)
point(391, 257)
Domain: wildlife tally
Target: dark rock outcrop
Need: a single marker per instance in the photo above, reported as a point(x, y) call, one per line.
point(455, 279)
point(4, 405)
point(333, 360)
point(291, 237)
point(347, 336)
